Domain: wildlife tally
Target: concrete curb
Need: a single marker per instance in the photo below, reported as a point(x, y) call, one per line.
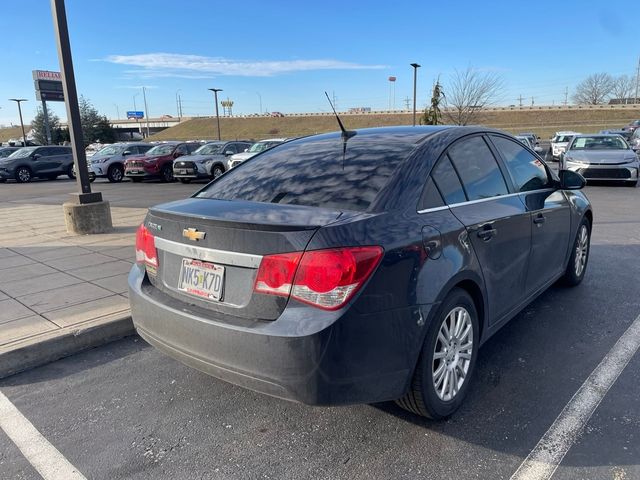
point(63, 343)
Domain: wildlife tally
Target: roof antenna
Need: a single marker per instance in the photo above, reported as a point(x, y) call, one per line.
point(346, 134)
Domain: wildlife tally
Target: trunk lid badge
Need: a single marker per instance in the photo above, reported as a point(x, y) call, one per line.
point(193, 234)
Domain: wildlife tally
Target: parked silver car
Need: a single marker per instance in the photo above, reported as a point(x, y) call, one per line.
point(559, 143)
point(109, 161)
point(602, 157)
point(256, 148)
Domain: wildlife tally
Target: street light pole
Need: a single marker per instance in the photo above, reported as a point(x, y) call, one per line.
point(415, 81)
point(146, 109)
point(178, 106)
point(215, 94)
point(18, 100)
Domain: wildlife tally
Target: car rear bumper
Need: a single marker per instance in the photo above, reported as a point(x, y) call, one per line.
point(339, 359)
point(605, 172)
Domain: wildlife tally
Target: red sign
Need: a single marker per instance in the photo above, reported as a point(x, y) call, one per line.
point(392, 79)
point(46, 75)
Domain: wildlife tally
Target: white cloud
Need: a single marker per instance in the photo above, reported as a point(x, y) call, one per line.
point(196, 66)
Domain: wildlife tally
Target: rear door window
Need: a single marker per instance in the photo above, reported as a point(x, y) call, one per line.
point(477, 168)
point(526, 169)
point(431, 197)
point(448, 182)
point(316, 173)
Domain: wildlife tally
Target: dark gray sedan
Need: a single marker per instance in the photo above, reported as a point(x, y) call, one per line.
point(602, 157)
point(359, 267)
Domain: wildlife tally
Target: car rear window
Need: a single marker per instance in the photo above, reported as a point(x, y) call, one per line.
point(315, 173)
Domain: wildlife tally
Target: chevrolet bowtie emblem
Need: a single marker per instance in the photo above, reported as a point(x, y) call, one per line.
point(193, 234)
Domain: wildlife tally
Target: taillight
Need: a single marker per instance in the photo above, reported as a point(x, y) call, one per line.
point(146, 252)
point(326, 279)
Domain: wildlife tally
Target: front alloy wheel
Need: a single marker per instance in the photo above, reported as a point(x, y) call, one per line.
point(23, 175)
point(217, 171)
point(577, 265)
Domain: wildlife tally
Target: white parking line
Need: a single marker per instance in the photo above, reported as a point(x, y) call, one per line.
point(44, 457)
point(544, 459)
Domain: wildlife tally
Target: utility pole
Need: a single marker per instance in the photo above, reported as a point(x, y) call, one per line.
point(146, 113)
point(47, 127)
point(117, 111)
point(18, 100)
point(520, 100)
point(407, 102)
point(335, 100)
point(532, 102)
point(259, 100)
point(637, 80)
point(415, 81)
point(215, 94)
point(178, 104)
point(566, 96)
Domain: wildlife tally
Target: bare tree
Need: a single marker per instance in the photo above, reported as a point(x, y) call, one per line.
point(469, 91)
point(623, 88)
point(594, 90)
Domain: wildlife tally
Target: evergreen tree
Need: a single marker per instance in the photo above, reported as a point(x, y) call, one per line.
point(94, 126)
point(432, 114)
point(40, 132)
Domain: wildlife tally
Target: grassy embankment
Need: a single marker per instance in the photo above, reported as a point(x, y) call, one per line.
point(542, 122)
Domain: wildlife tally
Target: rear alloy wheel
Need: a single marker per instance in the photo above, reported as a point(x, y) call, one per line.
point(216, 171)
point(577, 265)
point(167, 173)
point(71, 172)
point(185, 180)
point(23, 175)
point(115, 174)
point(441, 379)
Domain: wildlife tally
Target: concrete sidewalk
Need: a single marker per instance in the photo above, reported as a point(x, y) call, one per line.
point(60, 293)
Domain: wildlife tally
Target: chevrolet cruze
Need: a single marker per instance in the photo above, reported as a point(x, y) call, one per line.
point(359, 267)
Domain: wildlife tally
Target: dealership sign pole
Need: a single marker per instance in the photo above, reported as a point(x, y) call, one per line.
point(88, 213)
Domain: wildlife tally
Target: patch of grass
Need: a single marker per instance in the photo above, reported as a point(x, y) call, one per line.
point(8, 133)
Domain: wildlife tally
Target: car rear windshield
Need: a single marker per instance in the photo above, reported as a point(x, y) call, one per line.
point(315, 173)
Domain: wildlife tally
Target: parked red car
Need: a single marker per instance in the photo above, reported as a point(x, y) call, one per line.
point(157, 162)
point(632, 126)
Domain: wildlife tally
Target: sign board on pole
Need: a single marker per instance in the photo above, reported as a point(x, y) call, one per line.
point(48, 86)
point(135, 114)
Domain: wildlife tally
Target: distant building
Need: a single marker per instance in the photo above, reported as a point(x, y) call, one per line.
point(624, 101)
point(360, 110)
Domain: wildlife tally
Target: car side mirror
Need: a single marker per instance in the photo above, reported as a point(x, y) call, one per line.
point(246, 149)
point(126, 152)
point(570, 180)
point(36, 156)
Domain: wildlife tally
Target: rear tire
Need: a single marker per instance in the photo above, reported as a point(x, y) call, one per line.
point(577, 265)
point(447, 360)
point(23, 175)
point(71, 172)
point(115, 173)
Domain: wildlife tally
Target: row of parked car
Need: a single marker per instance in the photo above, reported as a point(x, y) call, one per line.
point(137, 161)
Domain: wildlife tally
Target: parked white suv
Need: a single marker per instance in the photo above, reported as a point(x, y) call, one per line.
point(109, 161)
point(560, 142)
point(256, 148)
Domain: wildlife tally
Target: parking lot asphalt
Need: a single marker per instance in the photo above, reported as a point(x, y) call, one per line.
point(125, 410)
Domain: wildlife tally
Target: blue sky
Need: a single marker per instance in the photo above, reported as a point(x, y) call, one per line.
point(288, 53)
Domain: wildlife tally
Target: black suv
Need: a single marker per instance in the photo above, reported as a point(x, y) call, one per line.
point(43, 162)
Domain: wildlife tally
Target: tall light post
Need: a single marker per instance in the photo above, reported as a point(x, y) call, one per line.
point(18, 100)
point(179, 104)
point(392, 93)
point(415, 81)
point(260, 100)
point(117, 111)
point(215, 94)
point(146, 109)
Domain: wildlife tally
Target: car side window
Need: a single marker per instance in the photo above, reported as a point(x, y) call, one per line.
point(447, 181)
point(181, 149)
point(478, 169)
point(527, 171)
point(230, 147)
point(431, 197)
point(143, 149)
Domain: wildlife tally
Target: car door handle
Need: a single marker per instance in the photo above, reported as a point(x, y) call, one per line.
point(539, 219)
point(487, 232)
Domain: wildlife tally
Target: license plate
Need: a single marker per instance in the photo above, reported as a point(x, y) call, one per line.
point(201, 279)
point(181, 171)
point(133, 172)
